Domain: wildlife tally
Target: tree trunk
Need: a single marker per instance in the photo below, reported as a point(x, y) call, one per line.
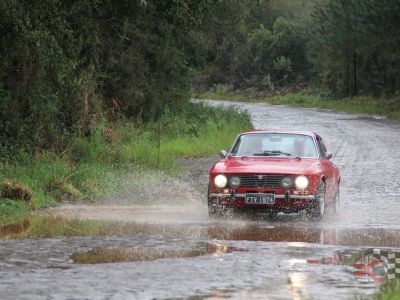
point(355, 85)
point(347, 75)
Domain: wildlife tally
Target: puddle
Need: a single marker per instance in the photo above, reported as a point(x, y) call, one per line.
point(116, 255)
point(367, 265)
point(353, 270)
point(41, 226)
point(297, 232)
point(303, 233)
point(297, 258)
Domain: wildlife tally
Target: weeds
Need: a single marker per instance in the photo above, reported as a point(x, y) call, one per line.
point(390, 290)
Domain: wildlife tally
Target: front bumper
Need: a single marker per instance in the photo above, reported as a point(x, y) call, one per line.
point(285, 197)
point(286, 202)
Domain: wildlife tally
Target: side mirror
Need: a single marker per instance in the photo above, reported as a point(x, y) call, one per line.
point(328, 155)
point(222, 153)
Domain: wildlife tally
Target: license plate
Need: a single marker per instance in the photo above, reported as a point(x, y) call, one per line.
point(260, 199)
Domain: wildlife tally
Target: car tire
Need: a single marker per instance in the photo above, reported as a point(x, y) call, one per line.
point(215, 210)
point(316, 211)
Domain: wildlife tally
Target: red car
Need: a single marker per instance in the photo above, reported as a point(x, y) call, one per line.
point(275, 171)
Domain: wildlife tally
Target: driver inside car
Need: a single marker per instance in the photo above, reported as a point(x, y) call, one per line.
point(300, 147)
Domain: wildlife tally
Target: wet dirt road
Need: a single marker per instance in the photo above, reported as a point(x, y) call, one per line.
point(162, 251)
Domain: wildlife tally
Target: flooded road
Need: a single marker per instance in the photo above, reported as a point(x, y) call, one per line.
point(122, 250)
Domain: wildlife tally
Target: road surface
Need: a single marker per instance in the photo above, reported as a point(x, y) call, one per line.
point(175, 251)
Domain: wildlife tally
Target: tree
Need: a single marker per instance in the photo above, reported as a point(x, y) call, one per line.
point(353, 46)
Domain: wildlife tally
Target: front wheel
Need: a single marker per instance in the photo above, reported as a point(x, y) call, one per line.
point(317, 209)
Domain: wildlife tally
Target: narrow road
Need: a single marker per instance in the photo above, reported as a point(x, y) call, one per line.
point(177, 252)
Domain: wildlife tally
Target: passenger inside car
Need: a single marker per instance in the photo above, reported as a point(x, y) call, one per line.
point(299, 147)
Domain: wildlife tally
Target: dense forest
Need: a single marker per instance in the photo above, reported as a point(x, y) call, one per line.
point(67, 64)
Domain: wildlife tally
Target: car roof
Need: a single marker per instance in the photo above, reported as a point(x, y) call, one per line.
point(303, 132)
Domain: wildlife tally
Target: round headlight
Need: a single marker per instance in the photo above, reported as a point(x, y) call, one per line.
point(301, 182)
point(235, 181)
point(287, 182)
point(220, 181)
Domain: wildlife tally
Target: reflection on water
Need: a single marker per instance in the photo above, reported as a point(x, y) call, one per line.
point(116, 255)
point(297, 284)
point(222, 248)
point(298, 232)
point(15, 229)
point(368, 265)
point(247, 255)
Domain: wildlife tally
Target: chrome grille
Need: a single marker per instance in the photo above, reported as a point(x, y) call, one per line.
point(261, 180)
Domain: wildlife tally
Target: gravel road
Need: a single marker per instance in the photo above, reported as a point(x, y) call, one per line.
point(175, 251)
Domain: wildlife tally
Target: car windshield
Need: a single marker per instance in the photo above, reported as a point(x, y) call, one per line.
point(275, 144)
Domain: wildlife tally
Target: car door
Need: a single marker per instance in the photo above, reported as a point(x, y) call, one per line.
point(328, 167)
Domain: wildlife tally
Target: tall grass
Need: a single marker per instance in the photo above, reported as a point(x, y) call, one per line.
point(82, 171)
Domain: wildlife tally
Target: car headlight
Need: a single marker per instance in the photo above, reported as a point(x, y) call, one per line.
point(220, 181)
point(301, 182)
point(287, 182)
point(235, 181)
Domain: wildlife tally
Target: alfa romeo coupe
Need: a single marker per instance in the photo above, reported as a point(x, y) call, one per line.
point(275, 171)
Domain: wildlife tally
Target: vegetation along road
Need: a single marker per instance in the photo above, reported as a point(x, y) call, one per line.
point(172, 249)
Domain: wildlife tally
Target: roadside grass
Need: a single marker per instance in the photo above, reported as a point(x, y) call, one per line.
point(389, 291)
point(389, 108)
point(83, 171)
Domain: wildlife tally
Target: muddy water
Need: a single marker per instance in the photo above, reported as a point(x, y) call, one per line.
point(238, 258)
point(120, 251)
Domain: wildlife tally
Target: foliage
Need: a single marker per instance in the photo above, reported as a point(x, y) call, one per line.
point(62, 190)
point(64, 63)
point(348, 47)
point(258, 44)
point(390, 290)
point(353, 46)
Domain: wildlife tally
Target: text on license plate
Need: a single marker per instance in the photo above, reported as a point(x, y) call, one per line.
point(260, 199)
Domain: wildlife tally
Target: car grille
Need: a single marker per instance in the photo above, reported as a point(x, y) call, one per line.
point(266, 181)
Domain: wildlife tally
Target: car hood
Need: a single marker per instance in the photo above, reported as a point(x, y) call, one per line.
point(267, 165)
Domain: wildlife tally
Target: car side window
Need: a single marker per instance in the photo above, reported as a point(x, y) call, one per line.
point(321, 147)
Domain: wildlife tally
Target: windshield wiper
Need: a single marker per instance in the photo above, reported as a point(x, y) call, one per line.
point(276, 152)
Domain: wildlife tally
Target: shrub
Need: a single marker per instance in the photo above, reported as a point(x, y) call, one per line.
point(61, 189)
point(15, 191)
